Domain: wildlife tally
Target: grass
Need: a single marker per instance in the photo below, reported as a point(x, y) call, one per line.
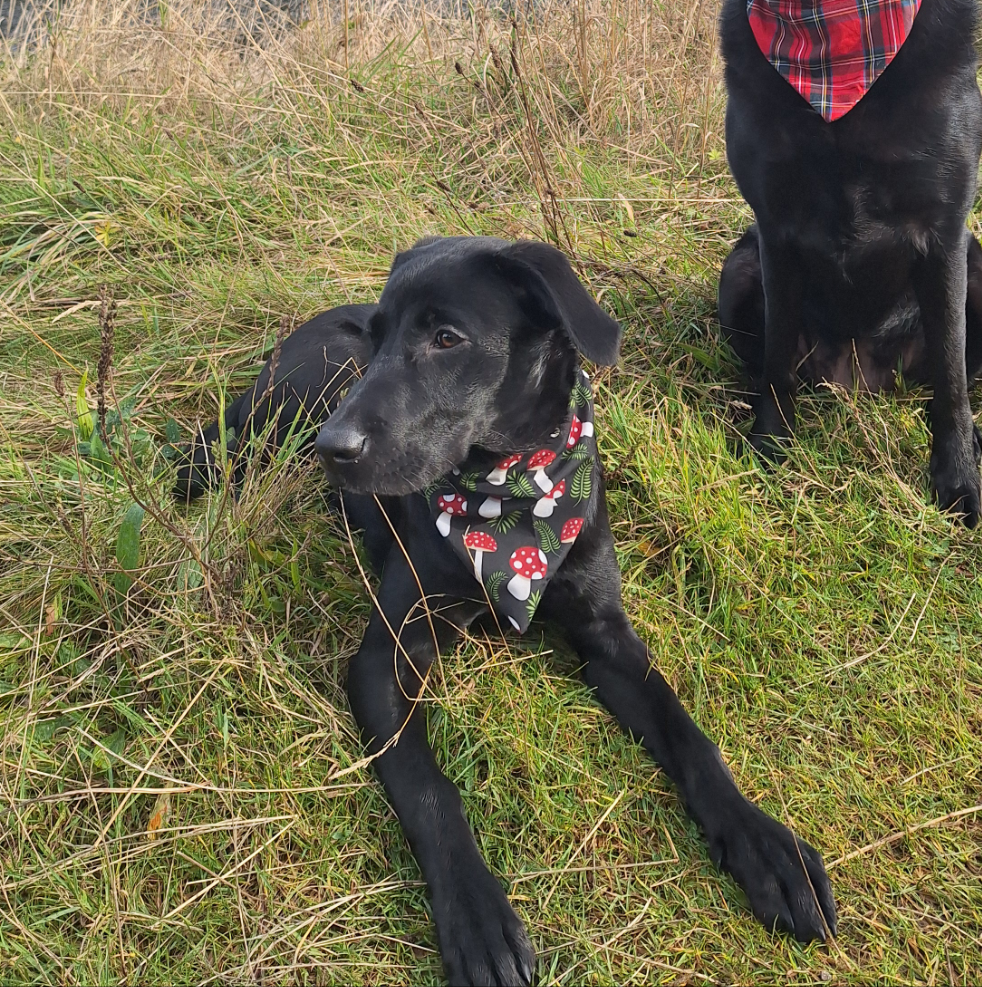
point(182, 796)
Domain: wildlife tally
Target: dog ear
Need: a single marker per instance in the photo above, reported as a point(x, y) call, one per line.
point(355, 318)
point(555, 296)
point(404, 255)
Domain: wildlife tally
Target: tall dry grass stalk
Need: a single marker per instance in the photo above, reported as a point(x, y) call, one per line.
point(182, 798)
point(636, 75)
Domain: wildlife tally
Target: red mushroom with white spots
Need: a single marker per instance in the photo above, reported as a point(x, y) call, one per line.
point(497, 475)
point(491, 507)
point(479, 542)
point(575, 428)
point(538, 464)
point(527, 563)
point(544, 506)
point(570, 530)
point(451, 505)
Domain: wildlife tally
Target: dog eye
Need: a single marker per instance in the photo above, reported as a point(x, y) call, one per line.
point(446, 338)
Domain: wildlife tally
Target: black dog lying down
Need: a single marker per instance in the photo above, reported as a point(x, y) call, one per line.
point(307, 379)
point(860, 264)
point(473, 426)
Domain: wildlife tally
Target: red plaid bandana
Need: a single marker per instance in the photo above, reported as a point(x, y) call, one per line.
point(831, 51)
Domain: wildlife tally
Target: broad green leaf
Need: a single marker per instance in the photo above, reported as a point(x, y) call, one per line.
point(128, 542)
point(46, 729)
point(126, 408)
point(172, 431)
point(189, 575)
point(83, 416)
point(102, 760)
point(128, 546)
point(97, 450)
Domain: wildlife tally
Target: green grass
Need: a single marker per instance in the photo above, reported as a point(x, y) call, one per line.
point(182, 796)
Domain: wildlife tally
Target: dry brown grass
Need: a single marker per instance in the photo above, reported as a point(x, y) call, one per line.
point(181, 798)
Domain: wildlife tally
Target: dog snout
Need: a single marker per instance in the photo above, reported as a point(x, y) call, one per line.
point(340, 445)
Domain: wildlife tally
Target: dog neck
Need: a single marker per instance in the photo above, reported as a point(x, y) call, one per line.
point(831, 52)
point(514, 523)
point(532, 401)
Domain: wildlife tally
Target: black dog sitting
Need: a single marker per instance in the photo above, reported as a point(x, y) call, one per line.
point(860, 263)
point(466, 451)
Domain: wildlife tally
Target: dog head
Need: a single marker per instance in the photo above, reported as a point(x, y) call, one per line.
point(475, 348)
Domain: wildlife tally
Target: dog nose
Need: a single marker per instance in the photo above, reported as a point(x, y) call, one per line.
point(341, 445)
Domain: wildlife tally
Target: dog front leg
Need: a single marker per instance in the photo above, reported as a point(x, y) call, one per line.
point(197, 470)
point(941, 285)
point(783, 877)
point(774, 407)
point(482, 940)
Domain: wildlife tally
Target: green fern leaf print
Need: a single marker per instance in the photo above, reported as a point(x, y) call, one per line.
point(520, 486)
point(503, 523)
point(493, 585)
point(548, 539)
point(582, 481)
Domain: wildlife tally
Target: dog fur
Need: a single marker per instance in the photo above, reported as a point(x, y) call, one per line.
point(473, 352)
point(859, 263)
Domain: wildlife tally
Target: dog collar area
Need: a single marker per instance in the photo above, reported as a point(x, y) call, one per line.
point(831, 51)
point(514, 524)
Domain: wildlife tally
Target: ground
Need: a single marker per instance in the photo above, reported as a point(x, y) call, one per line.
point(182, 795)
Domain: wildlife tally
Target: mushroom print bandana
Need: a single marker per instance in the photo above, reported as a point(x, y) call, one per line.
point(831, 51)
point(514, 524)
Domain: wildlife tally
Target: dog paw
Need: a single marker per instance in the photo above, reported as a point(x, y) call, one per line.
point(482, 940)
point(196, 472)
point(783, 877)
point(771, 449)
point(773, 426)
point(958, 494)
